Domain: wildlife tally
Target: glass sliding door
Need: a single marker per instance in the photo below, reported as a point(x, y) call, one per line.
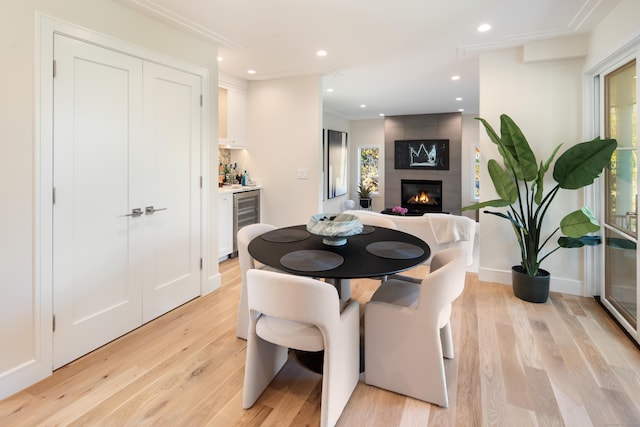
point(621, 197)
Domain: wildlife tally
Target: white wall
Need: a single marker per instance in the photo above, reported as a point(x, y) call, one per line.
point(545, 100)
point(21, 361)
point(284, 135)
point(614, 32)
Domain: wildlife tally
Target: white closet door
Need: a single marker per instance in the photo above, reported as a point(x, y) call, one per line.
point(172, 123)
point(98, 249)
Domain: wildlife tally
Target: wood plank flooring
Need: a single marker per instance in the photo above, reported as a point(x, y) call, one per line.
point(517, 364)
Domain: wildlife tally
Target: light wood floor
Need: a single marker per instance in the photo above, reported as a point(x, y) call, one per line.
point(517, 364)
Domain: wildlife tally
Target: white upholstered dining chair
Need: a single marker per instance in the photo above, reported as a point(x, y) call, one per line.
point(288, 311)
point(407, 330)
point(245, 235)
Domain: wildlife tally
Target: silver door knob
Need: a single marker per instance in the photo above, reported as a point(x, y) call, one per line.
point(135, 212)
point(149, 210)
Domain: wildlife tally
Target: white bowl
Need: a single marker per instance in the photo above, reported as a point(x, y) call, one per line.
point(334, 228)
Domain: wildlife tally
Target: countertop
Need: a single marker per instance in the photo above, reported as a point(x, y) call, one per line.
point(237, 189)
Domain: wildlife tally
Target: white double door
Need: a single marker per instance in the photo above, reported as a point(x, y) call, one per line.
point(126, 219)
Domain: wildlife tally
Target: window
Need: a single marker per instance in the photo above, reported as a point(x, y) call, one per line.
point(621, 210)
point(369, 167)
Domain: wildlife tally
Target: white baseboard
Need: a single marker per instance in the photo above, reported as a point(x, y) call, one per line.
point(565, 286)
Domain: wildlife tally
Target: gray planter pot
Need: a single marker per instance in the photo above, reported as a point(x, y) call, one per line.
point(530, 288)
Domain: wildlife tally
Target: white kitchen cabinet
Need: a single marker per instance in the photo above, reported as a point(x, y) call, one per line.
point(225, 224)
point(232, 115)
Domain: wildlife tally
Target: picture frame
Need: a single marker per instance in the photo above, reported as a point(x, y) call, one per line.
point(337, 162)
point(429, 154)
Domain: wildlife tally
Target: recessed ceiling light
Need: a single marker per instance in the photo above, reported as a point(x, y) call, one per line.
point(458, 99)
point(461, 109)
point(220, 59)
point(251, 71)
point(455, 77)
point(329, 90)
point(321, 53)
point(363, 105)
point(482, 28)
point(381, 114)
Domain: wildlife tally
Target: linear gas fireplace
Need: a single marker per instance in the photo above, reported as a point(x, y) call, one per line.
point(420, 196)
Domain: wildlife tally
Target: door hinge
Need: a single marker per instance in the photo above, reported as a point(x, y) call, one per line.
point(53, 196)
point(54, 323)
point(54, 68)
point(201, 100)
point(201, 262)
point(200, 181)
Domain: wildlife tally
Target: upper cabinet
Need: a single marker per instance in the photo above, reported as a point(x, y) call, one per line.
point(232, 114)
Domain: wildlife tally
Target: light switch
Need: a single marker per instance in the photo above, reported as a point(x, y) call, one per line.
point(303, 173)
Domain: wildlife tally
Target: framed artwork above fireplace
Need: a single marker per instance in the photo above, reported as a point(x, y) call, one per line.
point(430, 154)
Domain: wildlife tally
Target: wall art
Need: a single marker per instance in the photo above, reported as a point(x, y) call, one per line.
point(422, 154)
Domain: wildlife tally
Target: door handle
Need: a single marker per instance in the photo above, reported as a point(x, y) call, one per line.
point(628, 217)
point(135, 212)
point(149, 210)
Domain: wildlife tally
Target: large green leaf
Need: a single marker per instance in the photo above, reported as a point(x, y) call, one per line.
point(496, 203)
point(502, 181)
point(572, 242)
point(544, 167)
point(578, 223)
point(581, 164)
point(540, 184)
point(509, 156)
point(515, 141)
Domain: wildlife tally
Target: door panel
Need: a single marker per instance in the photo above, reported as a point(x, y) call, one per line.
point(172, 169)
point(621, 226)
point(127, 135)
point(97, 269)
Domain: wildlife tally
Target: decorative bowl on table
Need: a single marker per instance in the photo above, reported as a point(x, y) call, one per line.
point(334, 228)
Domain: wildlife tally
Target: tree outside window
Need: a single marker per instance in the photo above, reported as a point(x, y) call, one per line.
point(369, 167)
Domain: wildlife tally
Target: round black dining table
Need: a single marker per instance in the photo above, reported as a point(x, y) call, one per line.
point(375, 252)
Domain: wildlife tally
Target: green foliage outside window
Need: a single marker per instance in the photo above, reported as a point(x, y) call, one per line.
point(369, 168)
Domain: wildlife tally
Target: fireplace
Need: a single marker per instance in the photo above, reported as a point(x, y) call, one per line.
point(420, 196)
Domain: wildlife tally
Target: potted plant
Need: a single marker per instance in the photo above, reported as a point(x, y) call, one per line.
point(364, 193)
point(519, 184)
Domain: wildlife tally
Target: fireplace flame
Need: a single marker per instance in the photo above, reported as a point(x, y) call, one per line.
point(422, 198)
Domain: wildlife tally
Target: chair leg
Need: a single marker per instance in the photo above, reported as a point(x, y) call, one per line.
point(264, 361)
point(447, 341)
point(242, 322)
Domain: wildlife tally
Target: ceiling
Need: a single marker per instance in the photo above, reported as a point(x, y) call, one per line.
point(394, 57)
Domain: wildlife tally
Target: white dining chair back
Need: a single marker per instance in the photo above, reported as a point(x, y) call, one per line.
point(245, 235)
point(408, 331)
point(288, 311)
